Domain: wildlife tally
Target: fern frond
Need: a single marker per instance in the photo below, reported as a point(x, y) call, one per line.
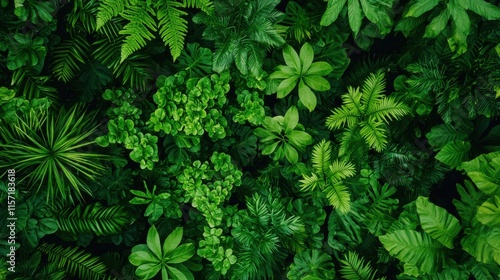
point(204, 5)
point(388, 109)
point(94, 218)
point(353, 100)
point(109, 9)
point(173, 27)
point(138, 30)
point(374, 134)
point(355, 268)
point(340, 117)
point(136, 71)
point(340, 169)
point(339, 197)
point(76, 262)
point(309, 183)
point(68, 57)
point(372, 88)
point(321, 155)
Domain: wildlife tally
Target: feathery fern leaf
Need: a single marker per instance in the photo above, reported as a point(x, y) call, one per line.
point(355, 268)
point(76, 262)
point(68, 57)
point(173, 27)
point(338, 195)
point(139, 30)
point(94, 218)
point(109, 9)
point(321, 155)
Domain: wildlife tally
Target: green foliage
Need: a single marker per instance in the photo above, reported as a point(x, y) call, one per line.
point(283, 136)
point(153, 257)
point(207, 185)
point(378, 12)
point(482, 171)
point(47, 145)
point(242, 31)
point(328, 175)
point(68, 58)
point(302, 70)
point(148, 20)
point(366, 113)
point(214, 247)
point(195, 60)
point(355, 268)
point(440, 13)
point(192, 106)
point(93, 218)
point(252, 106)
point(311, 264)
point(27, 51)
point(76, 262)
point(158, 204)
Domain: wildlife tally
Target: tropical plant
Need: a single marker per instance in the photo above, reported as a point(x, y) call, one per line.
point(242, 31)
point(327, 176)
point(283, 136)
point(158, 204)
point(47, 146)
point(168, 258)
point(145, 18)
point(366, 113)
point(302, 70)
point(311, 264)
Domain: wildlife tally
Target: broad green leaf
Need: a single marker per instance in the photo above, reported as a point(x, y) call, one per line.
point(420, 7)
point(378, 13)
point(269, 149)
point(355, 15)
point(286, 86)
point(483, 8)
point(489, 212)
point(283, 72)
point(180, 254)
point(291, 58)
point(299, 139)
point(317, 82)
point(415, 248)
point(272, 124)
point(332, 12)
point(320, 68)
point(306, 96)
point(138, 258)
point(442, 134)
point(148, 270)
point(291, 119)
point(306, 57)
point(483, 171)
point(153, 241)
point(437, 24)
point(291, 154)
point(454, 153)
point(437, 222)
point(173, 240)
point(181, 272)
point(483, 243)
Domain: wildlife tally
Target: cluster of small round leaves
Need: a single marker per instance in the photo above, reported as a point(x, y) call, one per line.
point(216, 248)
point(208, 185)
point(191, 106)
point(252, 108)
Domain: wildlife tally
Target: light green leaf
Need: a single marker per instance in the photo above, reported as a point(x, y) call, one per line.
point(320, 68)
point(415, 248)
point(454, 153)
point(148, 270)
point(317, 82)
point(332, 12)
point(173, 240)
point(269, 149)
point(437, 222)
point(291, 119)
point(306, 57)
point(138, 258)
point(283, 72)
point(306, 96)
point(180, 254)
point(437, 24)
point(291, 154)
point(299, 139)
point(420, 7)
point(291, 58)
point(286, 86)
point(355, 16)
point(483, 8)
point(489, 212)
point(153, 242)
point(483, 171)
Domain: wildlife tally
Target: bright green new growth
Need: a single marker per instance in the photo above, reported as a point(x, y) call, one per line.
point(327, 175)
point(153, 257)
point(302, 70)
point(366, 113)
point(283, 136)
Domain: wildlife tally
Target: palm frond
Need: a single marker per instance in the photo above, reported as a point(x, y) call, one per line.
point(341, 169)
point(138, 31)
point(372, 90)
point(374, 134)
point(338, 195)
point(387, 110)
point(76, 262)
point(321, 155)
point(355, 268)
point(93, 218)
point(68, 58)
point(109, 9)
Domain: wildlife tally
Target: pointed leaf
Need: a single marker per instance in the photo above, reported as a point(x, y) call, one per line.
point(489, 212)
point(437, 24)
point(420, 7)
point(291, 119)
point(454, 153)
point(306, 57)
point(180, 254)
point(173, 240)
point(355, 15)
point(153, 242)
point(319, 68)
point(286, 86)
point(437, 222)
point(148, 270)
point(317, 82)
point(306, 96)
point(291, 58)
point(332, 12)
